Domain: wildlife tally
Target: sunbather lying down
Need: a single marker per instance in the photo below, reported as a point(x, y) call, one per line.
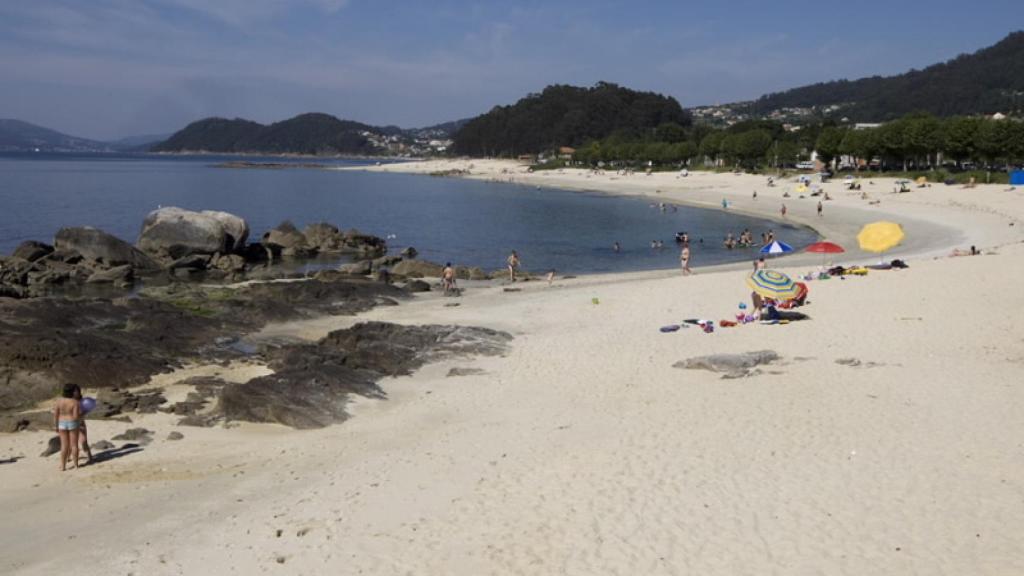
point(958, 252)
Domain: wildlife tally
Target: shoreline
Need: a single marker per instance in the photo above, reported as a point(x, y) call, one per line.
point(884, 441)
point(928, 237)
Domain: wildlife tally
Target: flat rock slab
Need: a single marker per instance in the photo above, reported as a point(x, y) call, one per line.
point(730, 365)
point(311, 382)
point(454, 372)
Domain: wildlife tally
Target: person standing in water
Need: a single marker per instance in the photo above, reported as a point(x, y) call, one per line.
point(684, 259)
point(616, 247)
point(513, 265)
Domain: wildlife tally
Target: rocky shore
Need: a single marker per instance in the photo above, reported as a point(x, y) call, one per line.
point(96, 310)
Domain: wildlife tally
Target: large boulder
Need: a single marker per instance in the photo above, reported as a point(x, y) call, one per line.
point(286, 240)
point(236, 228)
point(364, 244)
point(474, 273)
point(171, 233)
point(324, 237)
point(31, 250)
point(99, 246)
point(418, 269)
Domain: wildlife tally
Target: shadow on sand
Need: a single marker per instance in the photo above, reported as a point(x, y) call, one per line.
point(114, 453)
point(11, 460)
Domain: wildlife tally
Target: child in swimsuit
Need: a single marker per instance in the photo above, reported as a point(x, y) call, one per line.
point(67, 414)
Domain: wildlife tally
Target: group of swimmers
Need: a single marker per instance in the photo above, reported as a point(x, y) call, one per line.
point(745, 239)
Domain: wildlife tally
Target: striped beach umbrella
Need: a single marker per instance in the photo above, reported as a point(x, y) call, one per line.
point(773, 284)
point(776, 247)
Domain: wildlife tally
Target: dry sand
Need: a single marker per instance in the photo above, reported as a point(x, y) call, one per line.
point(584, 451)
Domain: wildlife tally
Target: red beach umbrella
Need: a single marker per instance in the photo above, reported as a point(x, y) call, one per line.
point(825, 248)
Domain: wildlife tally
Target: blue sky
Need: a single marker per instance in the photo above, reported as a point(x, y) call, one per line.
point(112, 68)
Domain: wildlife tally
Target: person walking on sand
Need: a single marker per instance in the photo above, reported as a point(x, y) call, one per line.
point(684, 259)
point(783, 210)
point(448, 278)
point(820, 208)
point(83, 436)
point(66, 416)
point(513, 265)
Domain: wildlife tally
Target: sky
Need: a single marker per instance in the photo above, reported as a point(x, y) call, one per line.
point(106, 69)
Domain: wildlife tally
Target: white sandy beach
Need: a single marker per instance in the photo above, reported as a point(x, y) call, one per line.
point(585, 452)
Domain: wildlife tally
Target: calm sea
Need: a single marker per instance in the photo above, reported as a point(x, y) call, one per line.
point(466, 222)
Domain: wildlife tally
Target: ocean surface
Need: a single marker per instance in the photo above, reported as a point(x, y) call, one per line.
point(466, 222)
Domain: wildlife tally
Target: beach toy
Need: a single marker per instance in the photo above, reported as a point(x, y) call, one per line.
point(743, 305)
point(595, 301)
point(670, 328)
point(87, 405)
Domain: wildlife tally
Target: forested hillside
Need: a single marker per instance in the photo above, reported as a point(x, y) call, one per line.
point(564, 115)
point(312, 133)
point(988, 81)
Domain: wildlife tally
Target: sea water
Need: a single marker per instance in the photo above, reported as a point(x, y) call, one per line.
point(466, 222)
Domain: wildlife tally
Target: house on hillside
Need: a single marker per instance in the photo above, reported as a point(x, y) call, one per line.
point(566, 152)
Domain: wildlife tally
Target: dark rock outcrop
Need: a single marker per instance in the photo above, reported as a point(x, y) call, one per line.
point(97, 245)
point(287, 241)
point(31, 250)
point(415, 286)
point(311, 383)
point(417, 269)
point(324, 237)
point(121, 276)
point(121, 343)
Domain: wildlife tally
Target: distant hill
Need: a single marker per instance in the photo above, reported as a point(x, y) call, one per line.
point(988, 81)
point(444, 130)
point(141, 142)
point(18, 136)
point(565, 116)
point(313, 133)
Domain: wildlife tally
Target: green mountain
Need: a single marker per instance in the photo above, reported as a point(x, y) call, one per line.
point(313, 133)
point(566, 116)
point(18, 136)
point(988, 81)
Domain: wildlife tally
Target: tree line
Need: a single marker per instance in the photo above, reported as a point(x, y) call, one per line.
point(912, 142)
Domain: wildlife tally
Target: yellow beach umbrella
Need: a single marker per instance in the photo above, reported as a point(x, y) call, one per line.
point(878, 237)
